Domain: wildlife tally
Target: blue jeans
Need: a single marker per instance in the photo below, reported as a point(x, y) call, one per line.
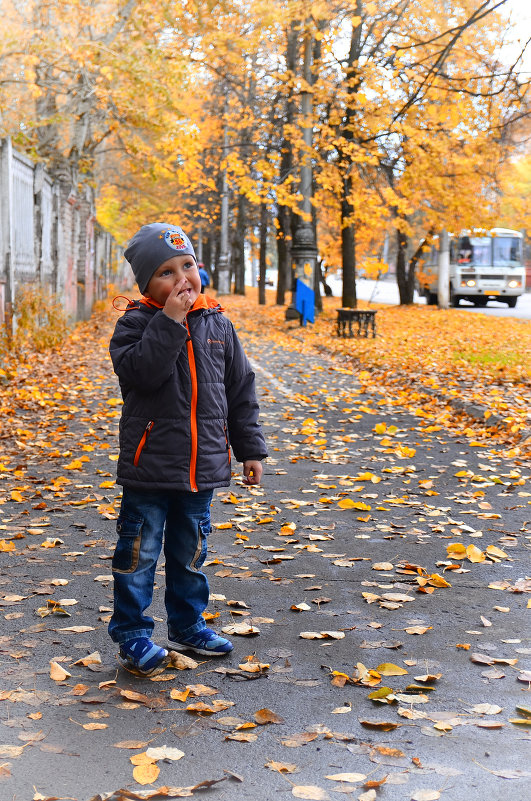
point(182, 520)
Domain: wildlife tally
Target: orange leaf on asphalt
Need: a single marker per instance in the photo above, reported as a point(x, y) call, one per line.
point(281, 767)
point(200, 689)
point(492, 550)
point(417, 629)
point(347, 503)
point(437, 581)
point(474, 554)
point(146, 774)
point(6, 546)
point(131, 695)
point(390, 669)
point(382, 725)
point(57, 673)
point(165, 752)
point(310, 792)
point(456, 550)
point(80, 689)
point(263, 716)
point(179, 695)
point(131, 744)
point(141, 759)
point(351, 778)
point(242, 736)
point(296, 740)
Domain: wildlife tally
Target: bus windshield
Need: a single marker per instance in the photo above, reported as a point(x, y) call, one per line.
point(506, 251)
point(479, 249)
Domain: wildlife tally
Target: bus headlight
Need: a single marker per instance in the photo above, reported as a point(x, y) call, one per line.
point(471, 282)
point(515, 283)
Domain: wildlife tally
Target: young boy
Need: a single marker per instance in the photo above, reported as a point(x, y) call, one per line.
point(189, 395)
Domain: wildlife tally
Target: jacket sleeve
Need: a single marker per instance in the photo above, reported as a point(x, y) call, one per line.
point(144, 355)
point(245, 433)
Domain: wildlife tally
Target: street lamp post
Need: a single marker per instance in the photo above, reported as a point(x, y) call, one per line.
point(304, 250)
point(304, 260)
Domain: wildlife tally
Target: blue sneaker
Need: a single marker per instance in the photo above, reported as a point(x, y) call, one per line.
point(205, 642)
point(142, 657)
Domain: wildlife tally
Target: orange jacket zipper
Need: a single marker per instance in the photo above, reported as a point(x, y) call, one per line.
point(227, 442)
point(143, 442)
point(193, 410)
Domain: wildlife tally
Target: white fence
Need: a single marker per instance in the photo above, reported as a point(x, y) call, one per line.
point(49, 236)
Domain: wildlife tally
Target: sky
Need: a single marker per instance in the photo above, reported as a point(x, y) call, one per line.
point(520, 11)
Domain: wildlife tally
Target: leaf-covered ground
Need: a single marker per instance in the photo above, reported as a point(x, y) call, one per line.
point(376, 587)
point(424, 359)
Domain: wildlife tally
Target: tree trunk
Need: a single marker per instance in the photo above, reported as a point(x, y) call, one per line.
point(241, 228)
point(199, 246)
point(348, 249)
point(207, 252)
point(283, 253)
point(263, 249)
point(414, 260)
point(214, 255)
point(405, 273)
point(318, 301)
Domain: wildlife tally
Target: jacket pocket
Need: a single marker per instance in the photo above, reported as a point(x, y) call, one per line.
point(142, 442)
point(127, 552)
point(203, 530)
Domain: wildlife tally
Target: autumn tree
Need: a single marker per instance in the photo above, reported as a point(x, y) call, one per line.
point(95, 86)
point(165, 108)
point(412, 111)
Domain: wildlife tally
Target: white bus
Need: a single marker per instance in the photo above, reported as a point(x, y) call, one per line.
point(484, 265)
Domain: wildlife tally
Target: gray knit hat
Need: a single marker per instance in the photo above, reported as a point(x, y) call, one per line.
point(152, 246)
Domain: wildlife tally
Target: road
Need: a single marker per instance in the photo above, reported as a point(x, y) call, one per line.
point(348, 559)
point(386, 291)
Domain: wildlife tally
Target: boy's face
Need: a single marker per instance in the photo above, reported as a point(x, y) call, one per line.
point(165, 277)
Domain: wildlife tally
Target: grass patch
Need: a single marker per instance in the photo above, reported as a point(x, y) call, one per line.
point(488, 358)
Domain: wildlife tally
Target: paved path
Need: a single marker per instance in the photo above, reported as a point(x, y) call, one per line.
point(285, 559)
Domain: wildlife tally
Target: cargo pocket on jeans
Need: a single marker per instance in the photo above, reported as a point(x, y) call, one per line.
point(201, 550)
point(127, 551)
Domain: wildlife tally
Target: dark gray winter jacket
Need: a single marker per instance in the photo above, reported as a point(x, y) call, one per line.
point(188, 395)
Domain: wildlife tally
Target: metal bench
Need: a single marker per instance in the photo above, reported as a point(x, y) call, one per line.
point(364, 319)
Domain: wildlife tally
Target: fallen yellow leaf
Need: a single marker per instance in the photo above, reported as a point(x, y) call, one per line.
point(57, 673)
point(494, 551)
point(348, 503)
point(390, 669)
point(474, 554)
point(146, 774)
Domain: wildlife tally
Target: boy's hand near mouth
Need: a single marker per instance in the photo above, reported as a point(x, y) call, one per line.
point(178, 301)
